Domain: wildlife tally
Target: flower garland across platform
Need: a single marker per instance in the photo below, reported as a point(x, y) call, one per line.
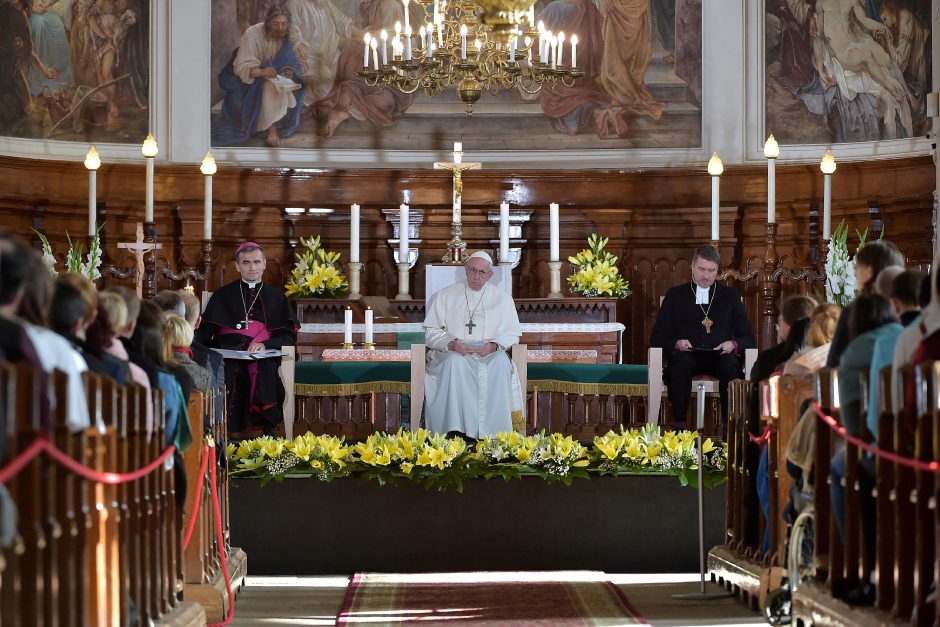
point(439, 462)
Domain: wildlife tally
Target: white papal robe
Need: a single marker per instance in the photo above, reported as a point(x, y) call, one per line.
point(474, 395)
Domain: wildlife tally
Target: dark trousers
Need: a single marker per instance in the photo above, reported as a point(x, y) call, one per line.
point(685, 365)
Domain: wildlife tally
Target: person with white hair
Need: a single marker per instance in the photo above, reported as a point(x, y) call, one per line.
point(472, 388)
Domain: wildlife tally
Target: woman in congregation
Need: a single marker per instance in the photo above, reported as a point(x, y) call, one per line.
point(116, 312)
point(815, 350)
point(179, 334)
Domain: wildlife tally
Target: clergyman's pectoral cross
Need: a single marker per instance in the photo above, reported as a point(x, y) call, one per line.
point(707, 323)
point(470, 325)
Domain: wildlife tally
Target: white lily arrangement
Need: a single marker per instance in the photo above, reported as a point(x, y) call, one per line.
point(89, 268)
point(841, 286)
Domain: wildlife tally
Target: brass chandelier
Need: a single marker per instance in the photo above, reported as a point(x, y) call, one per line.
point(478, 45)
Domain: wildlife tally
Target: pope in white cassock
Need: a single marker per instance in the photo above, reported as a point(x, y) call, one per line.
point(472, 386)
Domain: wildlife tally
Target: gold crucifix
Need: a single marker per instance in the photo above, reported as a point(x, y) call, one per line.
point(707, 323)
point(456, 246)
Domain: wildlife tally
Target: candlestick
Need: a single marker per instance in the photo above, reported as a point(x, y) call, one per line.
point(715, 168)
point(92, 162)
point(555, 279)
point(208, 168)
point(354, 234)
point(347, 328)
point(828, 166)
point(403, 234)
point(403, 282)
point(553, 231)
point(369, 342)
point(503, 232)
point(771, 151)
point(149, 150)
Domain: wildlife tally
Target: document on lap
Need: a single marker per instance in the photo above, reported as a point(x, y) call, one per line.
point(248, 355)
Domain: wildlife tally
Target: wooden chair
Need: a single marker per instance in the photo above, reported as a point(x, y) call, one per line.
point(286, 372)
point(657, 386)
point(517, 354)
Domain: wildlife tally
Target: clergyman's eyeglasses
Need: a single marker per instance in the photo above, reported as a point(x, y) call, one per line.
point(477, 272)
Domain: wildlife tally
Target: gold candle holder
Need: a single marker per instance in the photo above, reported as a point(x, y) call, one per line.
point(348, 346)
point(369, 346)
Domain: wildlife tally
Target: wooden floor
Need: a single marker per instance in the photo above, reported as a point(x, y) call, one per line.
point(316, 601)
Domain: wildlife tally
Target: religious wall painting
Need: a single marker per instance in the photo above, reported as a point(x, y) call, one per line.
point(75, 70)
point(642, 86)
point(847, 70)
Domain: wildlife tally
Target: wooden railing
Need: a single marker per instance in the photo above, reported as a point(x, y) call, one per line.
point(88, 552)
point(891, 521)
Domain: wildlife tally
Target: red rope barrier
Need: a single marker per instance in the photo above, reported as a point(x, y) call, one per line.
point(41, 444)
point(916, 464)
point(764, 437)
point(197, 497)
point(220, 541)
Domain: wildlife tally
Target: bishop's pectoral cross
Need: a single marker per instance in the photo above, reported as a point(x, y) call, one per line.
point(139, 248)
point(707, 323)
point(470, 325)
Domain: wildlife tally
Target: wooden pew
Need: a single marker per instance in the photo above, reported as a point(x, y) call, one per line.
point(924, 520)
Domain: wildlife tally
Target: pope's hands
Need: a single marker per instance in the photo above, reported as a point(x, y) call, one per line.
point(459, 347)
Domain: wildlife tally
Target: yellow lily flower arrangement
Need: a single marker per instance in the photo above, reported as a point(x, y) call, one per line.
point(315, 274)
point(597, 273)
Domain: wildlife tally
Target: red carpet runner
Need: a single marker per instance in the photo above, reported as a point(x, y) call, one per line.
point(487, 598)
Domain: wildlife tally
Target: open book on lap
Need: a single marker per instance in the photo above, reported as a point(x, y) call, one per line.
point(248, 355)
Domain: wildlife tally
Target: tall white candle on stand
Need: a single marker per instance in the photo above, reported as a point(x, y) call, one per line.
point(503, 232)
point(403, 234)
point(828, 166)
point(347, 326)
point(208, 168)
point(771, 151)
point(553, 231)
point(715, 168)
point(150, 150)
point(354, 234)
point(369, 320)
point(92, 162)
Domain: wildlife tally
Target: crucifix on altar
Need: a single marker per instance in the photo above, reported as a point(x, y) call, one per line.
point(456, 247)
point(139, 248)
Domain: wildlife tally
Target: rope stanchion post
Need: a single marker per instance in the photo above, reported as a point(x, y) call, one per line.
point(702, 594)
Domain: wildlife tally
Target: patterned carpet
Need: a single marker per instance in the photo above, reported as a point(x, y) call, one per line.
point(507, 599)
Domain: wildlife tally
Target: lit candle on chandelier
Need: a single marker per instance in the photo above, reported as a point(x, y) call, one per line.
point(463, 41)
point(92, 162)
point(561, 49)
point(375, 53)
point(574, 51)
point(407, 43)
point(407, 19)
point(365, 51)
point(384, 36)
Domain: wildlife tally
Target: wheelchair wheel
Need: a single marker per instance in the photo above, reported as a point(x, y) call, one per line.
point(777, 607)
point(801, 565)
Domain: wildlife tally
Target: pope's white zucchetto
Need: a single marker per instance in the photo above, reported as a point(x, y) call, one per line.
point(482, 255)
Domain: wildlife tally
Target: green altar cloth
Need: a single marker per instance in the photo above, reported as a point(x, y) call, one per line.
point(336, 378)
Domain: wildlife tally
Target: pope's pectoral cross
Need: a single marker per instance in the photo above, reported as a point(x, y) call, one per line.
point(138, 248)
point(707, 323)
point(470, 325)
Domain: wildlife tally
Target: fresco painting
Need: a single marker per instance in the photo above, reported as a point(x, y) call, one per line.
point(847, 70)
point(642, 85)
point(75, 69)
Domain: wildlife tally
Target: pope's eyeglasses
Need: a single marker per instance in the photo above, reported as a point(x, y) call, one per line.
point(477, 272)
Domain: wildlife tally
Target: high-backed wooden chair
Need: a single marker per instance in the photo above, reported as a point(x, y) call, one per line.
point(517, 354)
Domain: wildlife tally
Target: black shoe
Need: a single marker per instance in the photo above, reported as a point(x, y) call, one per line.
point(864, 595)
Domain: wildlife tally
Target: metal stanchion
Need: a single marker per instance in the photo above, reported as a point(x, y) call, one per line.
point(701, 595)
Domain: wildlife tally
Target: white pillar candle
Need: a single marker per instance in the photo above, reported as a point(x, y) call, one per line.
point(463, 41)
point(347, 326)
point(369, 320)
point(407, 18)
point(150, 150)
point(715, 168)
point(828, 166)
point(574, 51)
point(375, 53)
point(407, 43)
point(553, 231)
point(503, 232)
point(384, 36)
point(92, 162)
point(561, 49)
point(367, 38)
point(771, 151)
point(403, 234)
point(354, 234)
point(512, 47)
point(208, 168)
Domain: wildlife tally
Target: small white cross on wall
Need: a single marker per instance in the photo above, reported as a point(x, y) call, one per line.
point(139, 248)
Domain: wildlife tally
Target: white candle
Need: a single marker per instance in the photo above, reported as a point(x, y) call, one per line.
point(369, 317)
point(503, 232)
point(403, 234)
point(407, 43)
point(407, 19)
point(715, 168)
point(150, 150)
point(365, 51)
point(828, 166)
point(463, 41)
point(553, 231)
point(208, 168)
point(354, 234)
point(375, 53)
point(771, 151)
point(561, 49)
point(347, 326)
point(574, 51)
point(384, 37)
point(553, 52)
point(512, 47)
point(92, 162)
